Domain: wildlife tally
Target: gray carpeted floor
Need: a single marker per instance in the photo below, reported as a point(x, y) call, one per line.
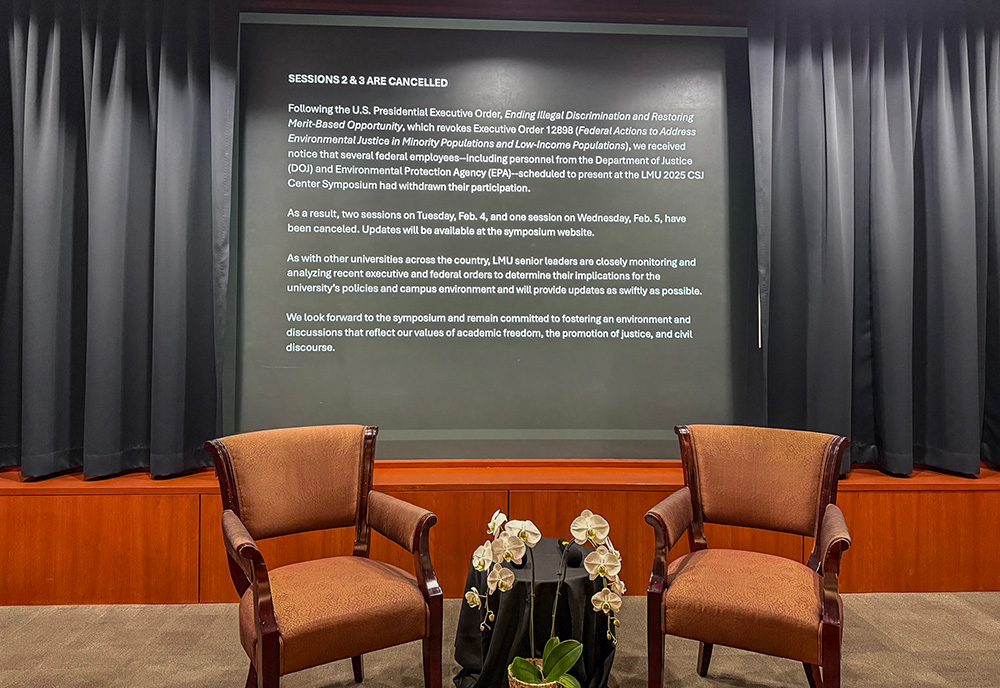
point(890, 640)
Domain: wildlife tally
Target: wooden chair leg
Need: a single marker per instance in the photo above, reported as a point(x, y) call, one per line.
point(252, 677)
point(832, 635)
point(831, 669)
point(359, 669)
point(704, 658)
point(654, 648)
point(268, 661)
point(432, 661)
point(269, 678)
point(812, 675)
point(432, 645)
point(654, 636)
point(269, 675)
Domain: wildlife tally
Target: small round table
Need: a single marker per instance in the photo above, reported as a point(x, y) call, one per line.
point(484, 655)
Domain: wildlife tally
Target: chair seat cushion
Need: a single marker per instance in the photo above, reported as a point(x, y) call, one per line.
point(330, 609)
point(748, 600)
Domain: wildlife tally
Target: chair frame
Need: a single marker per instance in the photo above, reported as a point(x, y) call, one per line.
point(252, 572)
point(827, 564)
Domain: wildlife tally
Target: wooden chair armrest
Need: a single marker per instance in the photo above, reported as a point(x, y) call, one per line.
point(240, 545)
point(834, 539)
point(670, 519)
point(244, 552)
point(672, 516)
point(400, 521)
point(408, 526)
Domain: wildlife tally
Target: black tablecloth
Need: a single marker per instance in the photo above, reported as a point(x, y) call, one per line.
point(484, 655)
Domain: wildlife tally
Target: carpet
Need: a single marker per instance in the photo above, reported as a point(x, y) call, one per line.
point(910, 640)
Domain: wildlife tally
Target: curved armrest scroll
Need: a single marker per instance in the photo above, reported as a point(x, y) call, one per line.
point(400, 521)
point(672, 516)
point(670, 519)
point(239, 544)
point(834, 539)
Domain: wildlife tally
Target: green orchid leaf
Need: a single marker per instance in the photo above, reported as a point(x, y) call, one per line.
point(549, 646)
point(525, 671)
point(568, 681)
point(561, 659)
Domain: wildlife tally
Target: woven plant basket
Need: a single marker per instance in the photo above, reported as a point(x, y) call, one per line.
point(514, 683)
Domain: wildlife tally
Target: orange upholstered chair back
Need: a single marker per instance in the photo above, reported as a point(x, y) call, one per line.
point(760, 477)
point(296, 479)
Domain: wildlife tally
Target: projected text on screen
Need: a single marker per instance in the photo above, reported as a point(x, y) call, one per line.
point(491, 244)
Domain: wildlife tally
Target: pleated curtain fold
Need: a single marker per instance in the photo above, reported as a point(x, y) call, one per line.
point(877, 160)
point(114, 228)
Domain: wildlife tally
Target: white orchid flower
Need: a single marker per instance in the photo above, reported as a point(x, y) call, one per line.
point(611, 548)
point(525, 530)
point(496, 523)
point(483, 556)
point(606, 601)
point(589, 526)
point(618, 586)
point(474, 599)
point(500, 579)
point(507, 548)
point(602, 562)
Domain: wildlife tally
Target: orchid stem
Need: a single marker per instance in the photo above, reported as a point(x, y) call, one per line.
point(562, 575)
point(531, 626)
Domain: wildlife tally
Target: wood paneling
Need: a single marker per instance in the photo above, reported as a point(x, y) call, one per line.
point(214, 583)
point(515, 474)
point(529, 474)
point(98, 549)
point(135, 539)
point(921, 480)
point(452, 541)
point(927, 541)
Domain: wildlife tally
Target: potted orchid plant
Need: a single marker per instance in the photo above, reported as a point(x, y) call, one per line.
point(511, 541)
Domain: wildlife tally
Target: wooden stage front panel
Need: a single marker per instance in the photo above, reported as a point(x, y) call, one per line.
point(132, 539)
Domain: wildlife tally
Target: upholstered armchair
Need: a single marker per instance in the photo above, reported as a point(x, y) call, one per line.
point(308, 613)
point(780, 480)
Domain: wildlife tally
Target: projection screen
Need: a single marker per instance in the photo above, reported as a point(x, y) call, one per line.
point(494, 239)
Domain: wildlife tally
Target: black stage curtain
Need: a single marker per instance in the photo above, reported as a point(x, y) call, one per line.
point(877, 159)
point(115, 180)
